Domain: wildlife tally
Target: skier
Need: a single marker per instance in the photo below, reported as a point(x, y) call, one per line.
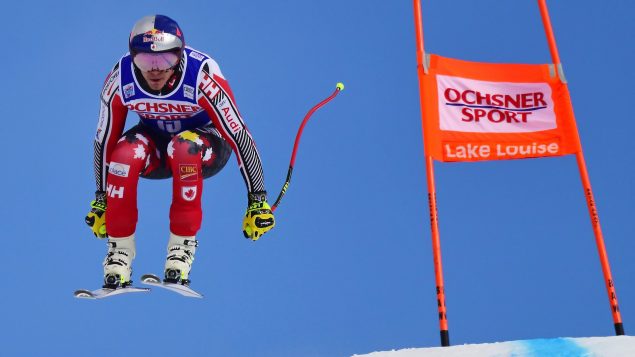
point(189, 125)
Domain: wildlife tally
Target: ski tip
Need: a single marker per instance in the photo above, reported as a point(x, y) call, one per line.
point(151, 278)
point(339, 86)
point(83, 294)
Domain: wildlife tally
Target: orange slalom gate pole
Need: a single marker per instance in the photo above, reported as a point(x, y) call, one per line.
point(432, 195)
point(586, 184)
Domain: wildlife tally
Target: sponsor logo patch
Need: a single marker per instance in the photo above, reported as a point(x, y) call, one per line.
point(188, 91)
point(208, 86)
point(128, 90)
point(101, 127)
point(117, 169)
point(110, 83)
point(188, 172)
point(197, 56)
point(154, 38)
point(170, 110)
point(230, 115)
point(114, 191)
point(188, 193)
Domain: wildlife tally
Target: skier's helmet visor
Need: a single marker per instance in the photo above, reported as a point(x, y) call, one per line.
point(156, 61)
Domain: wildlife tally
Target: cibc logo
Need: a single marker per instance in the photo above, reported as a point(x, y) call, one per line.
point(469, 105)
point(188, 172)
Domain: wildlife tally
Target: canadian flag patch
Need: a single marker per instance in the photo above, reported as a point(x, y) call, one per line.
point(188, 193)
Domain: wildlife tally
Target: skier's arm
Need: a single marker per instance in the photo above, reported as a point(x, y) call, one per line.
point(215, 96)
point(112, 118)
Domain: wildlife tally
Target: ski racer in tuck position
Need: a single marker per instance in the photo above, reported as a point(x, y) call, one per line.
point(189, 125)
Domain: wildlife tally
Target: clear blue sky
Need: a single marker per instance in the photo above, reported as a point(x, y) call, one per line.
point(348, 268)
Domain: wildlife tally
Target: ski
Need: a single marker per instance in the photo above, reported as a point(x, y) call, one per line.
point(153, 280)
point(105, 292)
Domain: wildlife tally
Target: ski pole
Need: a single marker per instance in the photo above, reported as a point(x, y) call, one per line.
point(338, 88)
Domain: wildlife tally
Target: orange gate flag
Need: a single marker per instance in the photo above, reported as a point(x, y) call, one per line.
point(484, 111)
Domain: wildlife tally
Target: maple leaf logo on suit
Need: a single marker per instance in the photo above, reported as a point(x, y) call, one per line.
point(188, 193)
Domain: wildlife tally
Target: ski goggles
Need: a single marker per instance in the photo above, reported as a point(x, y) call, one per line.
point(156, 61)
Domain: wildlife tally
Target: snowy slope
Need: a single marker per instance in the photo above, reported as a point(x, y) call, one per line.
point(618, 346)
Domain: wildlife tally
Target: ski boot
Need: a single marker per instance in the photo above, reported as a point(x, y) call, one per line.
point(118, 262)
point(179, 260)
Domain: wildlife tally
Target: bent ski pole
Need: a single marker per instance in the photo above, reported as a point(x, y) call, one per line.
point(338, 88)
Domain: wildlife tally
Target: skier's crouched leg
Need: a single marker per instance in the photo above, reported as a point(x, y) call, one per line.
point(185, 156)
point(132, 155)
point(193, 156)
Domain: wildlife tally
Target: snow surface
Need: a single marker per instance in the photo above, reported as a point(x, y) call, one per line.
point(617, 346)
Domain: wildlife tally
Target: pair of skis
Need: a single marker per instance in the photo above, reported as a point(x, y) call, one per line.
point(148, 279)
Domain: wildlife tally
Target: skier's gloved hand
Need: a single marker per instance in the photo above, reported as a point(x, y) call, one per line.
point(258, 218)
point(96, 218)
